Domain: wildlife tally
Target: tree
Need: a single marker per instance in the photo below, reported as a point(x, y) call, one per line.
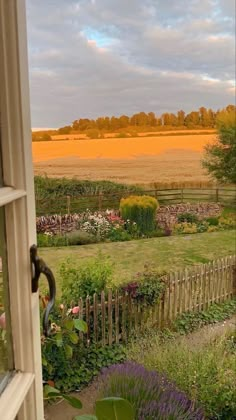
point(181, 116)
point(220, 157)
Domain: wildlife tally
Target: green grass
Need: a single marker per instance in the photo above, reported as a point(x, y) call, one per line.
point(168, 253)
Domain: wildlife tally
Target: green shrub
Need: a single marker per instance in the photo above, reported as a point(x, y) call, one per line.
point(141, 210)
point(75, 372)
point(206, 374)
point(119, 235)
point(83, 279)
point(212, 221)
point(47, 240)
point(147, 287)
point(187, 217)
point(80, 237)
point(190, 321)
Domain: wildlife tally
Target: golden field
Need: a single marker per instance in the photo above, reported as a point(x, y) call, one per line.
point(134, 160)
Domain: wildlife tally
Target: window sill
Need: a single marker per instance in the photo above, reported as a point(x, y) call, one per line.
point(14, 394)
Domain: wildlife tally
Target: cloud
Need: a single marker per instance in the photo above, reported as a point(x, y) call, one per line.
point(104, 57)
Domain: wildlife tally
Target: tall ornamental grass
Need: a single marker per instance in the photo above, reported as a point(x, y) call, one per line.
point(141, 210)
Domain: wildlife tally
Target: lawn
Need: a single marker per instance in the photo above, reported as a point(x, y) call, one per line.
point(169, 253)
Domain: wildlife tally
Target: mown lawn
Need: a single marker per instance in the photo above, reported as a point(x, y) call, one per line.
point(169, 253)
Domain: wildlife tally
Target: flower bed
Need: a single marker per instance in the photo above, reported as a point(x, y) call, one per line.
point(87, 227)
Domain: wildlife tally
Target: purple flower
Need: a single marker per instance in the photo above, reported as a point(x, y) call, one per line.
point(152, 395)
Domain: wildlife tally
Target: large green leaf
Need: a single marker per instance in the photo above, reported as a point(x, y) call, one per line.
point(80, 325)
point(50, 390)
point(85, 417)
point(68, 351)
point(114, 409)
point(58, 338)
point(73, 337)
point(73, 401)
point(68, 324)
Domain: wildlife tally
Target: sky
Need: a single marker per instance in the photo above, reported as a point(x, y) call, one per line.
point(91, 58)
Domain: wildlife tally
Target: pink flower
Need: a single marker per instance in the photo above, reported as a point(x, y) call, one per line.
point(75, 310)
point(3, 321)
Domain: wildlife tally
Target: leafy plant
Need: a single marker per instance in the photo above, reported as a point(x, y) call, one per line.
point(212, 221)
point(190, 321)
point(80, 237)
point(81, 280)
point(187, 217)
point(112, 408)
point(147, 286)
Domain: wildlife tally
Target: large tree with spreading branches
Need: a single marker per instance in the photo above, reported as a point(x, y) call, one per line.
point(220, 156)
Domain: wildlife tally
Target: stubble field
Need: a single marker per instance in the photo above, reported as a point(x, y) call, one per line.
point(141, 160)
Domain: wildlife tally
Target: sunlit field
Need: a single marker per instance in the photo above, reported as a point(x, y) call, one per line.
point(133, 160)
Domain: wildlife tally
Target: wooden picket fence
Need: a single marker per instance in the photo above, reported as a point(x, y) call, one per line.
point(113, 316)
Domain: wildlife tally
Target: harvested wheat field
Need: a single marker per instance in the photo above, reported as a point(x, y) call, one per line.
point(135, 160)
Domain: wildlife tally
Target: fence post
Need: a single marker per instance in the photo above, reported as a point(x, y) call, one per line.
point(217, 195)
point(68, 204)
point(100, 196)
point(234, 280)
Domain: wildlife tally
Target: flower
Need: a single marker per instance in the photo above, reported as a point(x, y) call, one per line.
point(75, 310)
point(3, 321)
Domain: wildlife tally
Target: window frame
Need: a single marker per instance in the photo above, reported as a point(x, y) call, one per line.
point(23, 395)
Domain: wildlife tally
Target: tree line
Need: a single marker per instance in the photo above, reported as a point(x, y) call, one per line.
point(142, 121)
point(203, 118)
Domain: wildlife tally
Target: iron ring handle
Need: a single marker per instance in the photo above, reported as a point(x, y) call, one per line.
point(40, 267)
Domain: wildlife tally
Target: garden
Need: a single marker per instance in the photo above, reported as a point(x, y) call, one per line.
point(144, 325)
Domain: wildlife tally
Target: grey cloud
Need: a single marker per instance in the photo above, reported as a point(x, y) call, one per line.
point(157, 56)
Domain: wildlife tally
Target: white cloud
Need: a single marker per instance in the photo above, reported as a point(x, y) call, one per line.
point(91, 58)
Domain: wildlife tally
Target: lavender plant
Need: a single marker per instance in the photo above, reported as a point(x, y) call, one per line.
point(150, 393)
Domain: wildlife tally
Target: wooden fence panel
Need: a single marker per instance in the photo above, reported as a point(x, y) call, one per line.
point(113, 320)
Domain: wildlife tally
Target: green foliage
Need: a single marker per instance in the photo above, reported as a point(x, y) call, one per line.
point(147, 286)
point(190, 321)
point(141, 210)
point(187, 217)
point(80, 237)
point(82, 365)
point(44, 240)
point(119, 235)
point(206, 373)
point(220, 157)
point(80, 280)
point(51, 188)
point(114, 409)
point(212, 221)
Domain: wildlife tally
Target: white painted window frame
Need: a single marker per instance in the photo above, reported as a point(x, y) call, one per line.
point(23, 395)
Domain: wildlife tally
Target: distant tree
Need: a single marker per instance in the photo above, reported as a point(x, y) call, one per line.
point(166, 118)
point(124, 121)
point(65, 130)
point(192, 119)
point(151, 119)
point(220, 157)
point(180, 117)
point(115, 123)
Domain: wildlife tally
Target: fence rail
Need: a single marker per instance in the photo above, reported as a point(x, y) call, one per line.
point(113, 316)
point(100, 201)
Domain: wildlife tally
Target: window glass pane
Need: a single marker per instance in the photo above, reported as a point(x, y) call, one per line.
point(6, 361)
